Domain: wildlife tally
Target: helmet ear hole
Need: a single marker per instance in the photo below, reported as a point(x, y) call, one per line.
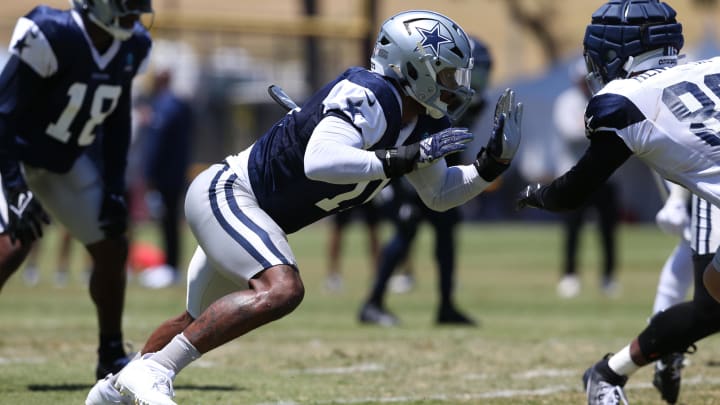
point(411, 71)
point(384, 40)
point(457, 52)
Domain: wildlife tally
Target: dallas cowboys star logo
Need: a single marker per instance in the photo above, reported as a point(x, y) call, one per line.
point(22, 43)
point(433, 38)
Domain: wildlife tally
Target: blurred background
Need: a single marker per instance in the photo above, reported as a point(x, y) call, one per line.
point(223, 54)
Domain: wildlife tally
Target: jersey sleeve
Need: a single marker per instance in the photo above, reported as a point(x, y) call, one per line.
point(32, 47)
point(610, 112)
point(144, 44)
point(359, 106)
point(18, 84)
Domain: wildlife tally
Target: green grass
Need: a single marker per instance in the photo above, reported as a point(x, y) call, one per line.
point(531, 348)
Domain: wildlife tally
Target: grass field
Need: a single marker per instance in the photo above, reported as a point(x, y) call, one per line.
point(531, 347)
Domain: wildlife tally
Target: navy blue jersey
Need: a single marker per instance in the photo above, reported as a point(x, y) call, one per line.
point(366, 100)
point(57, 92)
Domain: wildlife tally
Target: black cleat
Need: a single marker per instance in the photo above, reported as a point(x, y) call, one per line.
point(667, 376)
point(113, 367)
point(371, 313)
point(451, 316)
point(603, 386)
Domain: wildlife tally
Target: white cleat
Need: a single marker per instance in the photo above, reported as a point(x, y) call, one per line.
point(104, 393)
point(568, 287)
point(146, 382)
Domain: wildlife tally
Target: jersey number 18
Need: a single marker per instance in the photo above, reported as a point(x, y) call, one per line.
point(60, 129)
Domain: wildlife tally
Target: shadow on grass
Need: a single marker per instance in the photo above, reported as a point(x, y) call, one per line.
point(86, 387)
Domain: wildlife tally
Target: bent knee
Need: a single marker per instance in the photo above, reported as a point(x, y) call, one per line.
point(288, 295)
point(280, 293)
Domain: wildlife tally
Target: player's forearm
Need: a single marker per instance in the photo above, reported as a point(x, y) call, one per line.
point(606, 153)
point(442, 188)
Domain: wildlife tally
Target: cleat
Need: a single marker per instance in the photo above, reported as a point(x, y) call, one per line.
point(569, 286)
point(667, 376)
point(371, 313)
point(104, 393)
point(146, 382)
point(610, 288)
point(451, 316)
point(114, 367)
point(603, 386)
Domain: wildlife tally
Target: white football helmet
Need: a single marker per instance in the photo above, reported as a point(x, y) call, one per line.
point(107, 13)
point(430, 57)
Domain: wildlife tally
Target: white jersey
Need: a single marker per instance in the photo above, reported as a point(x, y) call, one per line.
point(668, 119)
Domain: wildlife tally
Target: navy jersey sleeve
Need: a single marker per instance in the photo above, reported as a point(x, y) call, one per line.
point(610, 111)
point(18, 83)
point(605, 154)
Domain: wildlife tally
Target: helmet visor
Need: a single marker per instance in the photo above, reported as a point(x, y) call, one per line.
point(455, 90)
point(454, 78)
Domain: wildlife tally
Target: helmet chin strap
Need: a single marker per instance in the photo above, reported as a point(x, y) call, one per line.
point(434, 112)
point(655, 59)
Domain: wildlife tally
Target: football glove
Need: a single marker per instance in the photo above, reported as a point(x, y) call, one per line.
point(113, 214)
point(530, 197)
point(495, 157)
point(25, 216)
point(404, 159)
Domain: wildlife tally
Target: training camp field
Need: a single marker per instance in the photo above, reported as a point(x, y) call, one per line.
point(531, 348)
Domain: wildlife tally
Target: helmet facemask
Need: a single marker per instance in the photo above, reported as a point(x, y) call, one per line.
point(116, 17)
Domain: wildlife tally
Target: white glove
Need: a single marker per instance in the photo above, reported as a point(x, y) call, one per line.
point(673, 217)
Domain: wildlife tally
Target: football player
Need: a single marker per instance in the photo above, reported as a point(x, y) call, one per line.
point(336, 151)
point(410, 213)
point(646, 104)
point(68, 81)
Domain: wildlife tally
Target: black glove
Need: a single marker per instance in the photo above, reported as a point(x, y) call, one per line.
point(25, 216)
point(404, 159)
point(113, 214)
point(504, 141)
point(530, 197)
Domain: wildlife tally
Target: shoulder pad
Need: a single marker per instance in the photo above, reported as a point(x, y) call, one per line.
point(609, 111)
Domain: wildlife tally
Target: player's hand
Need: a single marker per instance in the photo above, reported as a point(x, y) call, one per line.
point(25, 216)
point(529, 197)
point(441, 144)
point(404, 159)
point(113, 214)
point(504, 141)
point(673, 217)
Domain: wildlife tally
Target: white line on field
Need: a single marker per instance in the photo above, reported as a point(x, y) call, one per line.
point(460, 397)
point(360, 368)
point(452, 397)
point(538, 373)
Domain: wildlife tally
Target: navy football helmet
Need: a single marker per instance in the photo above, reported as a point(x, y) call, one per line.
point(629, 36)
point(429, 56)
point(107, 13)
